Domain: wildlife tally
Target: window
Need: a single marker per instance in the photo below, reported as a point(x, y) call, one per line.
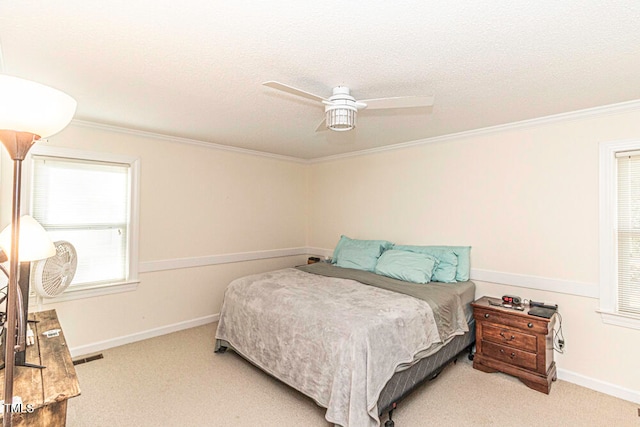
point(620, 233)
point(628, 163)
point(90, 200)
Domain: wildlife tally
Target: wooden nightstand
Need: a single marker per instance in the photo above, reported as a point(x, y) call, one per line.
point(515, 343)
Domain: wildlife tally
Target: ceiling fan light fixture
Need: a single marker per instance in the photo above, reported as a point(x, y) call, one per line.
point(341, 118)
point(341, 108)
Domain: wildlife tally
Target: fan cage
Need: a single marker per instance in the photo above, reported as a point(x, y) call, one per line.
point(341, 118)
point(51, 276)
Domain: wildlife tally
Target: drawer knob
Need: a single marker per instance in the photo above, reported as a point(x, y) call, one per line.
point(512, 355)
point(530, 325)
point(511, 338)
point(486, 315)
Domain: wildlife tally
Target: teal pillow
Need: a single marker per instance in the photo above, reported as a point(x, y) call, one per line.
point(359, 254)
point(463, 269)
point(445, 271)
point(407, 266)
point(336, 251)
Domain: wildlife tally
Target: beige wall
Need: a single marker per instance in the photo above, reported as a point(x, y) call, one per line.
point(526, 199)
point(195, 201)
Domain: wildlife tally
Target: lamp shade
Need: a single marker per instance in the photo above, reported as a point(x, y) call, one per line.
point(27, 106)
point(34, 242)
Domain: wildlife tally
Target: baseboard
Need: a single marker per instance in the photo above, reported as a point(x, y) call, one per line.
point(601, 386)
point(143, 335)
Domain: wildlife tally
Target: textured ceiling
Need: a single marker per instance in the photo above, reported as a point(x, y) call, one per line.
point(194, 69)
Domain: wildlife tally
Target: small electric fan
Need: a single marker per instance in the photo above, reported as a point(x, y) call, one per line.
point(51, 276)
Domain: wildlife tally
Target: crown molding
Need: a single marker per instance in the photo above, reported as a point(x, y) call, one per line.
point(181, 140)
point(604, 110)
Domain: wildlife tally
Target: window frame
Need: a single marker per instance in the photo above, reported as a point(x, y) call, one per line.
point(132, 281)
point(608, 234)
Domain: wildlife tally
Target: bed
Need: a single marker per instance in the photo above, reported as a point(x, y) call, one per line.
point(354, 341)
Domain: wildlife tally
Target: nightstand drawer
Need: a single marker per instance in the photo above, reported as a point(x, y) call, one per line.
point(510, 355)
point(513, 338)
point(529, 323)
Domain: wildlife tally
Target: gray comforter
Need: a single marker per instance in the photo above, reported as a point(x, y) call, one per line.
point(336, 340)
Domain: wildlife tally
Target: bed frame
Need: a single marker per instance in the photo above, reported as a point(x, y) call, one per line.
point(404, 382)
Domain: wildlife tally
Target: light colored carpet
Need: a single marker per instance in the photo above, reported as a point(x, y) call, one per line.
point(177, 380)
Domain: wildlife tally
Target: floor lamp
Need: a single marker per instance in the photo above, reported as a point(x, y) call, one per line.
point(28, 111)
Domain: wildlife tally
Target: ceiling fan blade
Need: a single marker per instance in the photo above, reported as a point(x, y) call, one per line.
point(398, 102)
point(292, 90)
point(322, 126)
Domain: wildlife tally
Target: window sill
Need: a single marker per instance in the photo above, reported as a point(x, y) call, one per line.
point(618, 319)
point(93, 291)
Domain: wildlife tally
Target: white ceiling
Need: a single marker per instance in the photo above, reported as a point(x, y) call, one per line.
point(194, 68)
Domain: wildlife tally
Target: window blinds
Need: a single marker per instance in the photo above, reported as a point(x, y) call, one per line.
point(628, 232)
point(87, 204)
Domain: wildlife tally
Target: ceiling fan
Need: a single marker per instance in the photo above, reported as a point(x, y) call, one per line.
point(341, 108)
